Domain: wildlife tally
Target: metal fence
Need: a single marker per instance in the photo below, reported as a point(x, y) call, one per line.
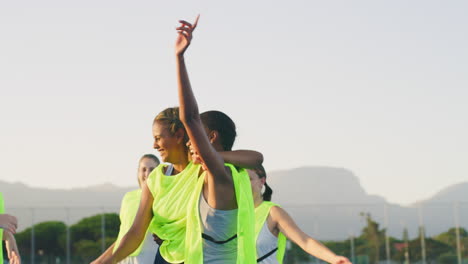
point(326, 222)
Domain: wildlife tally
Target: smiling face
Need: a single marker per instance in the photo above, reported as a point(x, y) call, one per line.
point(144, 169)
point(170, 146)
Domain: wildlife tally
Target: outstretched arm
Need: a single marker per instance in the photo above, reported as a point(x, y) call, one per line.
point(137, 232)
point(106, 254)
point(289, 228)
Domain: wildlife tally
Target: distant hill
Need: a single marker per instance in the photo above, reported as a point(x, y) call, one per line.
point(454, 193)
point(316, 185)
point(326, 202)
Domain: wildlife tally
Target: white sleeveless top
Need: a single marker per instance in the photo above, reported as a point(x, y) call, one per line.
point(220, 225)
point(266, 242)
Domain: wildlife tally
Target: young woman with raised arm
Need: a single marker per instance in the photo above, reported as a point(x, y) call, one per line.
point(220, 225)
point(164, 200)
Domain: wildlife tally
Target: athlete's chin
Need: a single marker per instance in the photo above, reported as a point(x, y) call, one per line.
point(163, 155)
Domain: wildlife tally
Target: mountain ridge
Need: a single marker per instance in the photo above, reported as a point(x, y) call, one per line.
point(325, 201)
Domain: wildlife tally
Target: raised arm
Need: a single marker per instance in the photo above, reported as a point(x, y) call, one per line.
point(137, 232)
point(189, 114)
point(289, 228)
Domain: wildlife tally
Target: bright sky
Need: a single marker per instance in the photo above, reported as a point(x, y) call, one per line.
point(377, 87)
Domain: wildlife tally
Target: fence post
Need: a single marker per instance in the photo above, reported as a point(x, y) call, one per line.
point(352, 248)
point(33, 238)
point(405, 238)
point(457, 230)
point(387, 240)
point(422, 234)
point(103, 231)
point(68, 253)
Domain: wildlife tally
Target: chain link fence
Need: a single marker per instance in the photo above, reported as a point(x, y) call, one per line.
point(424, 234)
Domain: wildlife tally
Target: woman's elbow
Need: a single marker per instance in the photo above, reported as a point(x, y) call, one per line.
point(259, 159)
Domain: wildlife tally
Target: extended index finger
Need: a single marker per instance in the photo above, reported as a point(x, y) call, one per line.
point(196, 21)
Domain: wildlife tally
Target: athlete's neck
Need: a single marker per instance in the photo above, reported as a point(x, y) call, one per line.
point(180, 165)
point(258, 200)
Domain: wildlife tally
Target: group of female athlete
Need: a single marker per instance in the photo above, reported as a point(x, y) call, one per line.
point(205, 203)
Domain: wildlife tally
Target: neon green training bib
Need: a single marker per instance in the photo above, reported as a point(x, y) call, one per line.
point(261, 214)
point(171, 195)
point(128, 211)
point(246, 250)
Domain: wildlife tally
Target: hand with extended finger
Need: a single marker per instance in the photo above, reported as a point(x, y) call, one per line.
point(341, 260)
point(184, 36)
point(9, 223)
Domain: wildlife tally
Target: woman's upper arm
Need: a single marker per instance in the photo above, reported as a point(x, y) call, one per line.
point(210, 157)
point(137, 231)
point(288, 227)
point(243, 158)
point(145, 209)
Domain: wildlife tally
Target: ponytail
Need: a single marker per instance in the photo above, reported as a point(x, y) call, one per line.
point(267, 194)
point(260, 171)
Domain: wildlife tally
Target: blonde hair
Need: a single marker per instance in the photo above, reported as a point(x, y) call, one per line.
point(170, 117)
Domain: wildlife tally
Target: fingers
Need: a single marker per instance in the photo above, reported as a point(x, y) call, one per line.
point(343, 260)
point(157, 239)
point(6, 218)
point(196, 21)
point(14, 258)
point(14, 221)
point(12, 228)
point(189, 25)
point(9, 227)
point(185, 23)
point(185, 31)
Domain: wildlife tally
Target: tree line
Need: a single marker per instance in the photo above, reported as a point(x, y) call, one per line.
point(86, 241)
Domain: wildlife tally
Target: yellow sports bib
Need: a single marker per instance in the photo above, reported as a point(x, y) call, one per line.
point(246, 253)
point(261, 215)
point(171, 195)
point(128, 211)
